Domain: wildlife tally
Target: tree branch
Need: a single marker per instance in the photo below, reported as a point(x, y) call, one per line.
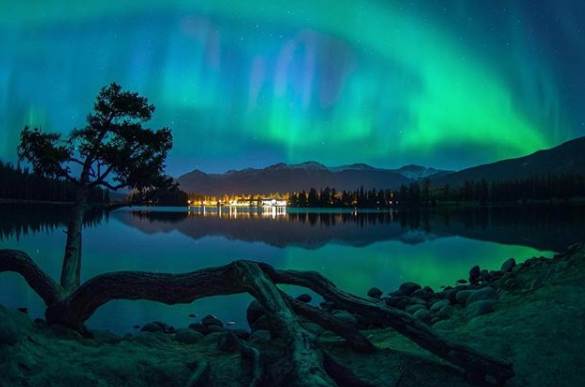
point(19, 262)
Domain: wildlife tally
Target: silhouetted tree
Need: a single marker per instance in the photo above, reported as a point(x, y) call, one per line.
point(113, 150)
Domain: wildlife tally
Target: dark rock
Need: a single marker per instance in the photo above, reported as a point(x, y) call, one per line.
point(416, 300)
point(188, 336)
point(306, 298)
point(486, 293)
point(474, 274)
point(409, 287)
point(228, 342)
point(403, 303)
point(508, 265)
point(484, 275)
point(412, 309)
point(327, 305)
point(446, 312)
point(198, 327)
point(375, 293)
point(481, 307)
point(214, 329)
point(254, 312)
point(428, 289)
point(346, 317)
point(261, 323)
point(23, 310)
point(452, 295)
point(396, 293)
point(422, 294)
point(394, 301)
point(463, 295)
point(241, 334)
point(151, 327)
point(192, 315)
point(210, 320)
point(157, 326)
point(439, 304)
point(461, 281)
point(422, 315)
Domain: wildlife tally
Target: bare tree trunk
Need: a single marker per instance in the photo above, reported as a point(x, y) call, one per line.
point(71, 269)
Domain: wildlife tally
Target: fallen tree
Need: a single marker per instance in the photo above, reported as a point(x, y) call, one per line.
point(304, 363)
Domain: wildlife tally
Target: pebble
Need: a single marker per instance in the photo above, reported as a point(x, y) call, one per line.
point(375, 293)
point(409, 287)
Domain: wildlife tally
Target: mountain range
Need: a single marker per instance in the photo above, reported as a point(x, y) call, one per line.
point(297, 177)
point(566, 158)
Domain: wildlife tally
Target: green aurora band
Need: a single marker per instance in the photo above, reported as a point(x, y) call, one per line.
point(248, 83)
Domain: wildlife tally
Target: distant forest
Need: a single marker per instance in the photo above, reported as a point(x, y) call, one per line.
point(20, 184)
point(416, 194)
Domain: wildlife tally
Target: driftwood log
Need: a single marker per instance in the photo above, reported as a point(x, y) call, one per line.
point(305, 361)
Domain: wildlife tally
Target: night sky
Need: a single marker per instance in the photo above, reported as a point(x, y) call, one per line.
point(247, 83)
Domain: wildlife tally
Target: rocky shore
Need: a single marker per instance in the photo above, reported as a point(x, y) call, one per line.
point(528, 313)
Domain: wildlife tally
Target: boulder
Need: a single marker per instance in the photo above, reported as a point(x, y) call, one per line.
point(151, 327)
point(435, 307)
point(417, 300)
point(412, 309)
point(446, 312)
point(241, 334)
point(228, 342)
point(474, 274)
point(409, 287)
point(422, 294)
point(254, 312)
point(306, 298)
point(395, 300)
point(463, 295)
point(452, 295)
point(210, 320)
point(198, 327)
point(486, 293)
point(261, 323)
point(375, 293)
point(508, 265)
point(481, 307)
point(187, 336)
point(422, 315)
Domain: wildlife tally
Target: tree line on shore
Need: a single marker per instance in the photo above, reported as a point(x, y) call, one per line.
point(21, 184)
point(422, 193)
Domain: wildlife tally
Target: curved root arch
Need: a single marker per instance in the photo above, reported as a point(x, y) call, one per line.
point(259, 280)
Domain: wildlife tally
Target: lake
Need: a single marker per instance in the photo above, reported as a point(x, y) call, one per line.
point(356, 249)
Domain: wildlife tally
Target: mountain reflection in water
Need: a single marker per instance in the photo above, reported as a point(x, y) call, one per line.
point(550, 228)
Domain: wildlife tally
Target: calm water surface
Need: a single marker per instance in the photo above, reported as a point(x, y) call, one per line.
point(355, 249)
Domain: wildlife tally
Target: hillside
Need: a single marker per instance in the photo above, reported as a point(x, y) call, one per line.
point(567, 158)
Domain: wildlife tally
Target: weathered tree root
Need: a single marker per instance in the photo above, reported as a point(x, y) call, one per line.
point(259, 280)
point(255, 357)
point(200, 376)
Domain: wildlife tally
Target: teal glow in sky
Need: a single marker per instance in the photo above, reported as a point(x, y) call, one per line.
point(251, 83)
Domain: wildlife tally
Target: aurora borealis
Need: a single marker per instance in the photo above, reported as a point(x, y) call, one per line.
point(251, 83)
